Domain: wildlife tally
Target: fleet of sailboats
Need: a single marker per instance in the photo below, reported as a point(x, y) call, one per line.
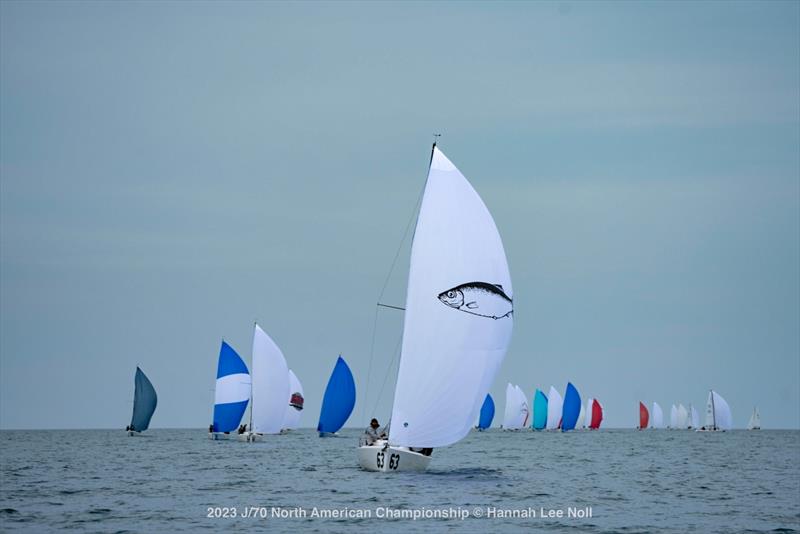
point(457, 327)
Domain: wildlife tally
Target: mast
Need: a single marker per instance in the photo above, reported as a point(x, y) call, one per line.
point(713, 409)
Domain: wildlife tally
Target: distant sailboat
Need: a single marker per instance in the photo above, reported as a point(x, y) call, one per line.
point(270, 388)
point(458, 322)
point(644, 416)
point(539, 410)
point(588, 410)
point(339, 399)
point(231, 393)
point(294, 407)
point(683, 418)
point(581, 418)
point(755, 420)
point(554, 407)
point(487, 413)
point(597, 415)
point(658, 416)
point(516, 413)
point(694, 417)
point(673, 417)
point(718, 414)
point(571, 408)
point(144, 404)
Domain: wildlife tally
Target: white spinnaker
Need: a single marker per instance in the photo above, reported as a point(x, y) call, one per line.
point(588, 420)
point(270, 381)
point(449, 356)
point(673, 417)
point(695, 416)
point(291, 418)
point(581, 418)
point(683, 417)
point(657, 417)
point(755, 420)
point(723, 411)
point(554, 405)
point(511, 405)
point(516, 408)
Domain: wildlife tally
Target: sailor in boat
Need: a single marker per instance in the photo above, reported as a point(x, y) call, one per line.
point(372, 434)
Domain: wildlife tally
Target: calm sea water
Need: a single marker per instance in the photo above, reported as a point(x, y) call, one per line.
point(104, 481)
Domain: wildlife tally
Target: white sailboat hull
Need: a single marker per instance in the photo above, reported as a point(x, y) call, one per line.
point(328, 435)
point(134, 433)
point(251, 437)
point(385, 459)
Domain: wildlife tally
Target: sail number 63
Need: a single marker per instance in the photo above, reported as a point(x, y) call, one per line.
point(394, 460)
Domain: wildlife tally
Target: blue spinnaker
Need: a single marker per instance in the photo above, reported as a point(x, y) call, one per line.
point(144, 402)
point(571, 409)
point(339, 399)
point(232, 391)
point(487, 413)
point(539, 410)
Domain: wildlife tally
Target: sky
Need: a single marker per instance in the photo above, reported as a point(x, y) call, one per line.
point(172, 172)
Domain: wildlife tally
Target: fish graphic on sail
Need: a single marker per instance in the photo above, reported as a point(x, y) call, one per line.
point(479, 298)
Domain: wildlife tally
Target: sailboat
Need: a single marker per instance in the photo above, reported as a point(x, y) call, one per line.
point(487, 413)
point(588, 410)
point(231, 393)
point(683, 418)
point(554, 406)
point(658, 416)
point(718, 414)
point(539, 410)
point(755, 420)
point(644, 416)
point(270, 388)
point(694, 417)
point(144, 404)
point(571, 408)
point(294, 408)
point(673, 417)
point(517, 414)
point(597, 415)
point(338, 401)
point(581, 419)
point(458, 323)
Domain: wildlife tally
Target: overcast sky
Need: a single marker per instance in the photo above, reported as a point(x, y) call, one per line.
point(173, 172)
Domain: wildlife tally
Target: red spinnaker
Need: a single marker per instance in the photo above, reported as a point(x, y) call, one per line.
point(644, 416)
point(597, 415)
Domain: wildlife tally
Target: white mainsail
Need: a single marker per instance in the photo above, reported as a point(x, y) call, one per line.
point(291, 417)
point(554, 407)
point(657, 416)
point(270, 385)
point(673, 417)
point(755, 420)
point(695, 420)
point(683, 417)
point(458, 317)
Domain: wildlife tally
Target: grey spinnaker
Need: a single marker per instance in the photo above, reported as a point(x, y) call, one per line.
point(144, 402)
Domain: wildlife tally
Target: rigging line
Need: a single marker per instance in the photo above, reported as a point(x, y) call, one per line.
point(386, 283)
point(386, 376)
point(382, 305)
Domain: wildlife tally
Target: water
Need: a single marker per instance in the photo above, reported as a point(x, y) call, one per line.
point(104, 481)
